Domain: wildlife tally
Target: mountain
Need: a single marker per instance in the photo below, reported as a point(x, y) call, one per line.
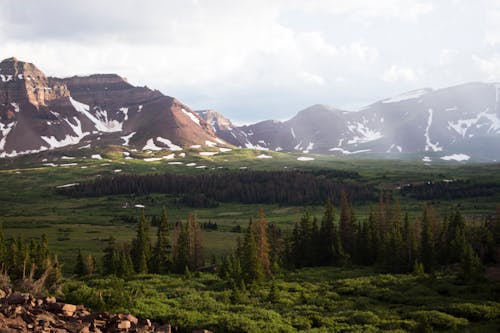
point(39, 113)
point(455, 123)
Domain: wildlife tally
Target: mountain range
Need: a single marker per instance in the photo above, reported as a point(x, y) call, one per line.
point(40, 113)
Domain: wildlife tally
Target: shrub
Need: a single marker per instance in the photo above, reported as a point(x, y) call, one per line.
point(474, 312)
point(438, 320)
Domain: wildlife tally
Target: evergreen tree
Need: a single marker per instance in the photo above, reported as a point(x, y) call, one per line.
point(163, 248)
point(79, 264)
point(260, 230)
point(471, 267)
point(125, 265)
point(196, 258)
point(141, 246)
point(90, 265)
point(111, 258)
point(456, 239)
point(181, 248)
point(251, 265)
point(328, 247)
point(347, 227)
point(394, 254)
point(277, 250)
point(427, 246)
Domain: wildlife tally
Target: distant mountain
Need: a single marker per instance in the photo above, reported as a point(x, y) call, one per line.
point(456, 123)
point(39, 113)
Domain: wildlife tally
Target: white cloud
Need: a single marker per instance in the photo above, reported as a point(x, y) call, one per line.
point(401, 10)
point(245, 57)
point(489, 66)
point(396, 73)
point(447, 56)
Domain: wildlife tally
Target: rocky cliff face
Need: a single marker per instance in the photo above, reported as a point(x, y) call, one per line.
point(39, 113)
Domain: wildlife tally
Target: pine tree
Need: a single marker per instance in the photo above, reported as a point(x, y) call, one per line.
point(141, 246)
point(347, 227)
point(181, 248)
point(262, 243)
point(471, 266)
point(196, 258)
point(427, 248)
point(163, 248)
point(110, 258)
point(277, 250)
point(456, 239)
point(328, 236)
point(79, 264)
point(90, 265)
point(251, 265)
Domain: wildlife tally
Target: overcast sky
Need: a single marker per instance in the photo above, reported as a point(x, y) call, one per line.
point(261, 59)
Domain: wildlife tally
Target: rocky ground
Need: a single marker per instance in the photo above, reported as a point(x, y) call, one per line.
point(25, 313)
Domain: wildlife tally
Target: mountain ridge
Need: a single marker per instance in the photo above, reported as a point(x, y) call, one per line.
point(39, 113)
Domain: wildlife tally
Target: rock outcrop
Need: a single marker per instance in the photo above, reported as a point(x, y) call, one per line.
point(24, 313)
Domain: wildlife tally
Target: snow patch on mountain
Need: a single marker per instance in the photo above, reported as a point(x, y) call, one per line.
point(391, 148)
point(125, 113)
point(169, 144)
point(347, 152)
point(305, 159)
point(101, 121)
point(428, 144)
point(406, 96)
point(127, 138)
point(16, 107)
point(365, 134)
point(4, 130)
point(191, 116)
point(208, 153)
point(461, 126)
point(456, 157)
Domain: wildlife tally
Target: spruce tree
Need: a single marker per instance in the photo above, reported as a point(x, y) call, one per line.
point(471, 266)
point(327, 236)
point(181, 248)
point(141, 248)
point(262, 243)
point(162, 250)
point(110, 258)
point(427, 246)
point(90, 265)
point(196, 258)
point(347, 227)
point(79, 264)
point(251, 265)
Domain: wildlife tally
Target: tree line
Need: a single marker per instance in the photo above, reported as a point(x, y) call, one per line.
point(448, 190)
point(251, 187)
point(387, 240)
point(144, 255)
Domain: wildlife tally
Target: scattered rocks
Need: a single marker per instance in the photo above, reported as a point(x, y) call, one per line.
point(20, 312)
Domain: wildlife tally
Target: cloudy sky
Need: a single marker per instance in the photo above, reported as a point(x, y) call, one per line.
point(261, 59)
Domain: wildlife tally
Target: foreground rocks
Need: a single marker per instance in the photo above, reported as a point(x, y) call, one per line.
point(24, 313)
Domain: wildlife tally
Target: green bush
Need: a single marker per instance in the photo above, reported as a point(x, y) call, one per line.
point(474, 312)
point(363, 318)
point(438, 320)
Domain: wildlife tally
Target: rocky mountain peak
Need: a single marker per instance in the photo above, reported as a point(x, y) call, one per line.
point(21, 81)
